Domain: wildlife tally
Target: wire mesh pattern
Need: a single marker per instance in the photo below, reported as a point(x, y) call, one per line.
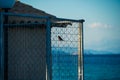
point(66, 46)
point(26, 53)
point(38, 48)
point(25, 47)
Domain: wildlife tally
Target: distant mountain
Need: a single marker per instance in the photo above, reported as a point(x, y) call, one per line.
point(70, 50)
point(94, 52)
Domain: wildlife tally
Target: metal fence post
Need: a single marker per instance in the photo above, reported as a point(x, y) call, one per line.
point(1, 48)
point(48, 51)
point(80, 52)
point(82, 55)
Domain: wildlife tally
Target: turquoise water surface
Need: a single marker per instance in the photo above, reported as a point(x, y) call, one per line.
point(102, 67)
point(96, 67)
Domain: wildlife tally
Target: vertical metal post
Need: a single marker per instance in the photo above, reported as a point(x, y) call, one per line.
point(1, 47)
point(5, 48)
point(80, 52)
point(48, 51)
point(6, 16)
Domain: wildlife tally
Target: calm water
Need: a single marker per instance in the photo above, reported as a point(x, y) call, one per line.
point(96, 67)
point(102, 67)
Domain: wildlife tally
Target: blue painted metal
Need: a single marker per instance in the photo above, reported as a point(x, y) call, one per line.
point(24, 15)
point(7, 3)
point(72, 20)
point(24, 24)
point(1, 48)
point(48, 50)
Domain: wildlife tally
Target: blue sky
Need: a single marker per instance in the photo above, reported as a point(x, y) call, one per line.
point(102, 19)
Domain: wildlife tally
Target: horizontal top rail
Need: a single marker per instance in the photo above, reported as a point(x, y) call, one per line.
point(43, 17)
point(25, 24)
point(24, 15)
point(72, 20)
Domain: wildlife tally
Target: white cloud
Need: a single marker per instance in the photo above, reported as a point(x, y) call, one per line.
point(99, 25)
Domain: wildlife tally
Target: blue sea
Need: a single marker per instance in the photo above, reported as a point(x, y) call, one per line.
point(96, 67)
point(102, 67)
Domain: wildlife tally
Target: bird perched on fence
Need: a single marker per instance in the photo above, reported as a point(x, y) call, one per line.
point(60, 39)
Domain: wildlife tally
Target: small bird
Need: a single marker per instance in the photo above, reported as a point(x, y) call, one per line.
point(60, 39)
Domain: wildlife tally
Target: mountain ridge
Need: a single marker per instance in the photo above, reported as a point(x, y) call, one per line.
point(97, 52)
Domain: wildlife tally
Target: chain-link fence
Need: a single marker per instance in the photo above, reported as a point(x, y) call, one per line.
point(40, 48)
point(24, 44)
point(66, 38)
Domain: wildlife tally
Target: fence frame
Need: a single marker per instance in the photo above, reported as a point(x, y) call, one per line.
point(48, 43)
point(2, 53)
point(81, 40)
